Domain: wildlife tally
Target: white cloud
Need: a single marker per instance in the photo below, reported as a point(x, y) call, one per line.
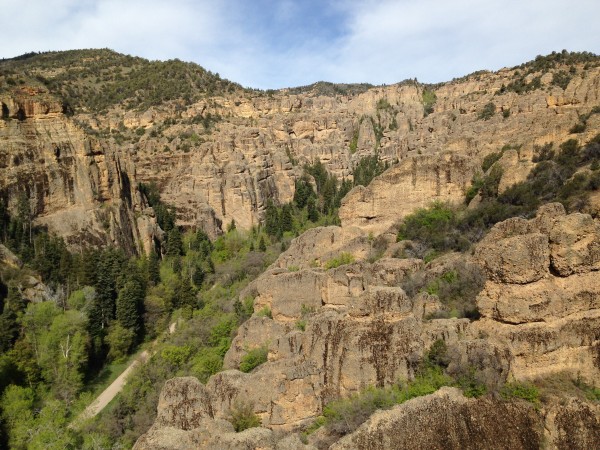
point(373, 41)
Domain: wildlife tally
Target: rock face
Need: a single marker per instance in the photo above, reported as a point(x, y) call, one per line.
point(413, 183)
point(335, 331)
point(77, 186)
point(542, 298)
point(447, 420)
point(223, 157)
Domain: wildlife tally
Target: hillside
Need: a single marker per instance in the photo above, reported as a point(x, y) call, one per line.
point(340, 261)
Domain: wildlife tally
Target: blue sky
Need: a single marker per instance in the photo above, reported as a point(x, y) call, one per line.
point(273, 44)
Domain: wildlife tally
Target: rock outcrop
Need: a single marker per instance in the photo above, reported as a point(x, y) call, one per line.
point(335, 331)
point(77, 186)
point(223, 157)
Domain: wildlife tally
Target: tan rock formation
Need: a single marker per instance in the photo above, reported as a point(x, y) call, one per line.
point(77, 186)
point(414, 183)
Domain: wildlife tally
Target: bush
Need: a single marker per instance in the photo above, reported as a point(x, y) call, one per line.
point(345, 415)
point(523, 391)
point(429, 99)
point(340, 260)
point(488, 111)
point(253, 359)
point(241, 415)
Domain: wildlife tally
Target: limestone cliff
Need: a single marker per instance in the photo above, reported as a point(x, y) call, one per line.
point(77, 186)
point(220, 155)
point(540, 317)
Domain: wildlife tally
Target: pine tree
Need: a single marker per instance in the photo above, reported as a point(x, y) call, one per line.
point(272, 223)
point(129, 306)
point(174, 243)
point(202, 244)
point(287, 223)
point(261, 244)
point(184, 294)
point(313, 213)
point(198, 275)
point(153, 268)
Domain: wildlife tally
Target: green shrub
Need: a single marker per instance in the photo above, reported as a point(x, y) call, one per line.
point(241, 415)
point(490, 159)
point(176, 355)
point(345, 415)
point(207, 363)
point(488, 111)
point(253, 359)
point(265, 312)
point(525, 391)
point(340, 260)
point(301, 324)
point(429, 99)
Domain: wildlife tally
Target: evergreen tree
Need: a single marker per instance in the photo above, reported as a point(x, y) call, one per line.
point(129, 306)
point(202, 244)
point(184, 294)
point(110, 269)
point(198, 275)
point(272, 223)
point(287, 223)
point(313, 213)
point(303, 191)
point(153, 268)
point(174, 243)
point(261, 244)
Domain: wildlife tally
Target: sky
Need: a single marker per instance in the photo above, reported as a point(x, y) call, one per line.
point(275, 44)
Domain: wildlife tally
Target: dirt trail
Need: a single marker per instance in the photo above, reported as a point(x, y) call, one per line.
point(111, 391)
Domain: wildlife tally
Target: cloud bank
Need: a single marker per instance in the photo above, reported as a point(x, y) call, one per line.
point(273, 44)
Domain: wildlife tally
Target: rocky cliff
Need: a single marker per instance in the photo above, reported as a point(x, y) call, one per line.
point(220, 155)
point(540, 318)
point(79, 187)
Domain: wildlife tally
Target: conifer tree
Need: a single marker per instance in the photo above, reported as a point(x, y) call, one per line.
point(261, 244)
point(272, 223)
point(174, 243)
point(129, 306)
point(286, 221)
point(153, 268)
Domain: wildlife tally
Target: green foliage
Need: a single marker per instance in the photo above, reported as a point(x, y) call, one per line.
point(354, 141)
point(340, 260)
point(368, 168)
point(345, 415)
point(176, 355)
point(130, 304)
point(433, 227)
point(253, 358)
point(207, 363)
point(265, 312)
point(242, 416)
point(525, 391)
point(301, 324)
point(429, 98)
point(488, 111)
point(457, 289)
point(120, 341)
point(561, 79)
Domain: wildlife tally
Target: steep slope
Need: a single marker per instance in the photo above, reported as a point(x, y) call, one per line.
point(540, 317)
point(77, 186)
point(219, 152)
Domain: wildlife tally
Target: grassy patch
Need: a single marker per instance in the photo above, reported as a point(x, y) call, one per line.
point(253, 358)
point(340, 260)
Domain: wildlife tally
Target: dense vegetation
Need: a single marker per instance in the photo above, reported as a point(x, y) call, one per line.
point(55, 355)
point(96, 80)
point(567, 176)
